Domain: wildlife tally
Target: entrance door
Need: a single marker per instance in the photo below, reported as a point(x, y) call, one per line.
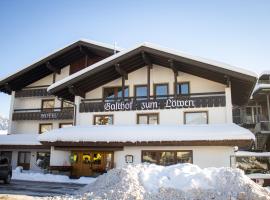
point(24, 159)
point(91, 163)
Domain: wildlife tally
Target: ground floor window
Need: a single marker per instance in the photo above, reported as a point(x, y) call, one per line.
point(200, 117)
point(103, 119)
point(253, 164)
point(167, 157)
point(149, 118)
point(43, 159)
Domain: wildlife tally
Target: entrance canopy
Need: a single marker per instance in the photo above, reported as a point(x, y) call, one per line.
point(146, 54)
point(150, 135)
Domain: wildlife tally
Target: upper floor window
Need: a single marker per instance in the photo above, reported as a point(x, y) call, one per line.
point(140, 91)
point(66, 104)
point(114, 92)
point(196, 117)
point(148, 118)
point(47, 104)
point(103, 119)
point(45, 127)
point(161, 90)
point(183, 88)
point(65, 125)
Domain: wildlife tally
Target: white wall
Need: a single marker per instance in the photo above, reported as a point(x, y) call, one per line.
point(32, 126)
point(59, 158)
point(203, 156)
point(216, 115)
point(160, 75)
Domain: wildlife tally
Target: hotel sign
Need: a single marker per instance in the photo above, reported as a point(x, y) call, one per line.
point(154, 104)
point(148, 105)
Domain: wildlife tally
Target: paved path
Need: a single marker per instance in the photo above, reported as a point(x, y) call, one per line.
point(40, 189)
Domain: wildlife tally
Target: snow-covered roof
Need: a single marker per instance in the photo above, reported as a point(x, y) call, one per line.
point(147, 133)
point(260, 86)
point(249, 153)
point(92, 42)
point(19, 139)
point(157, 47)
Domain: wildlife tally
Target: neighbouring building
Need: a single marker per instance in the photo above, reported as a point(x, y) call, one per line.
point(88, 108)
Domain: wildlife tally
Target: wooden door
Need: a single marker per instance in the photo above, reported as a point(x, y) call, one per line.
point(91, 163)
point(24, 159)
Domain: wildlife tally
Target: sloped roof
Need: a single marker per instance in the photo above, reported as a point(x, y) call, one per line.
point(59, 59)
point(243, 81)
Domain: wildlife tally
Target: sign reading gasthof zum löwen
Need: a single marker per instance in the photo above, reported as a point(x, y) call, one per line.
point(148, 105)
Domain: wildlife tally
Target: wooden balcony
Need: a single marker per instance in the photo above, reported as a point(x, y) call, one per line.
point(32, 92)
point(43, 114)
point(195, 100)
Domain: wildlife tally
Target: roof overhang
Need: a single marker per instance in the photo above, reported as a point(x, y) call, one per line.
point(242, 81)
point(58, 60)
point(149, 135)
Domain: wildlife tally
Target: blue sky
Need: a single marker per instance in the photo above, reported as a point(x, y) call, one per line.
point(235, 32)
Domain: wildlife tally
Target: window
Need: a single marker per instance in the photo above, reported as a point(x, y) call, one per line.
point(114, 92)
point(65, 125)
point(140, 92)
point(183, 88)
point(167, 157)
point(148, 118)
point(196, 118)
point(47, 104)
point(66, 104)
point(43, 159)
point(24, 157)
point(161, 90)
point(103, 120)
point(44, 128)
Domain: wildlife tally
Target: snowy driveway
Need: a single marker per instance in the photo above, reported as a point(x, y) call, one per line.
point(41, 189)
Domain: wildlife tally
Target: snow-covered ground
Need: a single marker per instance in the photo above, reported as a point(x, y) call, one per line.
point(182, 181)
point(3, 132)
point(34, 176)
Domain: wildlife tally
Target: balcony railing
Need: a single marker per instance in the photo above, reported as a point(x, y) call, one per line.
point(40, 91)
point(43, 114)
point(263, 127)
point(195, 100)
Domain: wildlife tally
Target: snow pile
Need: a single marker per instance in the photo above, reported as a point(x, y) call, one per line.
point(17, 174)
point(181, 181)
